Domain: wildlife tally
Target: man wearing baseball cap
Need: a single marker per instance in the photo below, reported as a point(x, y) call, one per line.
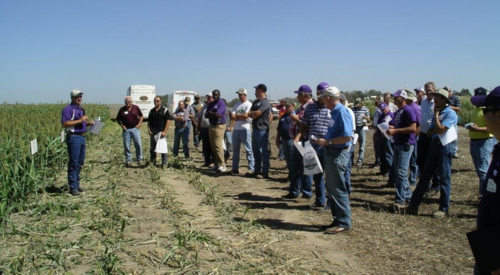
point(75, 121)
point(481, 142)
point(260, 113)
point(241, 125)
point(440, 156)
point(403, 132)
point(488, 213)
point(336, 142)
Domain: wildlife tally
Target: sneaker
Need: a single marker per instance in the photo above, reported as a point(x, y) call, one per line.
point(221, 169)
point(455, 156)
point(439, 214)
point(75, 192)
point(259, 176)
point(235, 172)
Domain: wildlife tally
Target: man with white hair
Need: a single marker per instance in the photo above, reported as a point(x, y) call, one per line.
point(336, 142)
point(130, 118)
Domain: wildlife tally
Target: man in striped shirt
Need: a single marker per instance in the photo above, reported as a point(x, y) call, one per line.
point(362, 115)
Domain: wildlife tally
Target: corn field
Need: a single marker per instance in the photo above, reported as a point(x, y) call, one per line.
point(21, 173)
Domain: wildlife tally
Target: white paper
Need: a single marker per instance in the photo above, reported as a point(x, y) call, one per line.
point(449, 136)
point(96, 128)
point(388, 119)
point(365, 128)
point(63, 136)
point(355, 139)
point(34, 146)
point(161, 144)
point(384, 126)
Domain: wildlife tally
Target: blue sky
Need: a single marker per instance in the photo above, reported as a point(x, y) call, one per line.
point(48, 48)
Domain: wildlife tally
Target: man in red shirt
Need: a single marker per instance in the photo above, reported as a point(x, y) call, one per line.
point(130, 118)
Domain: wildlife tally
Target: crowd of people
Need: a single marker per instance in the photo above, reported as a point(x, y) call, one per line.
point(418, 132)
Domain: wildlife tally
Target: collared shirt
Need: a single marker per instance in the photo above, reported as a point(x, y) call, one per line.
point(447, 117)
point(295, 127)
point(74, 112)
point(359, 113)
point(262, 123)
point(157, 119)
point(403, 118)
point(427, 112)
point(489, 207)
point(185, 117)
point(477, 117)
point(284, 126)
point(129, 118)
point(340, 125)
point(317, 118)
point(220, 108)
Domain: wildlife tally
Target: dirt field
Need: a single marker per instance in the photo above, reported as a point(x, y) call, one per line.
point(189, 220)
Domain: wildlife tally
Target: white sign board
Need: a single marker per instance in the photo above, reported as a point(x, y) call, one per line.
point(34, 147)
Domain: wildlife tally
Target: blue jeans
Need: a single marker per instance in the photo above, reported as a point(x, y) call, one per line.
point(135, 135)
point(348, 169)
point(242, 137)
point(335, 166)
point(288, 147)
point(480, 151)
point(402, 155)
point(260, 148)
point(319, 180)
point(423, 147)
point(228, 139)
point(76, 154)
point(281, 155)
point(299, 182)
point(376, 148)
point(181, 133)
point(413, 166)
point(361, 142)
point(386, 154)
point(196, 137)
point(438, 160)
point(152, 153)
point(207, 148)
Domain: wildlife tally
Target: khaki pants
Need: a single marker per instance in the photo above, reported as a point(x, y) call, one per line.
point(216, 135)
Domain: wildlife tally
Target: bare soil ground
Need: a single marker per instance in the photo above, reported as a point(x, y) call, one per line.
point(189, 220)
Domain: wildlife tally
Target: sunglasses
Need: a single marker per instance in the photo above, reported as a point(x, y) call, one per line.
point(490, 109)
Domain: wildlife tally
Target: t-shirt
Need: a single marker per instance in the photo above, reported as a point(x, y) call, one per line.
point(359, 113)
point(239, 109)
point(220, 108)
point(477, 117)
point(129, 118)
point(197, 108)
point(403, 118)
point(74, 112)
point(418, 112)
point(157, 119)
point(489, 207)
point(261, 123)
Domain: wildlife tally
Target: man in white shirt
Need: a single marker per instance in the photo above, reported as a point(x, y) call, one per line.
point(240, 123)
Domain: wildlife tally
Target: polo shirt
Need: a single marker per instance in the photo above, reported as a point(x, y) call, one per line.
point(74, 112)
point(403, 118)
point(447, 117)
point(340, 125)
point(317, 118)
point(489, 208)
point(220, 108)
point(129, 118)
point(157, 119)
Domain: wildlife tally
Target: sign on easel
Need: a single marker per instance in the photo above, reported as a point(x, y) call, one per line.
point(34, 147)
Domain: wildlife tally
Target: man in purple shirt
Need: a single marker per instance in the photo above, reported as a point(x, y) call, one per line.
point(74, 120)
point(412, 102)
point(403, 132)
point(216, 114)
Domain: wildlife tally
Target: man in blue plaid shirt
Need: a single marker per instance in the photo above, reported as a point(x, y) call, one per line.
point(315, 124)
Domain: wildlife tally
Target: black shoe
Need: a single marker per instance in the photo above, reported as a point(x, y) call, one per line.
point(289, 196)
point(326, 226)
point(81, 189)
point(315, 206)
point(75, 192)
point(250, 174)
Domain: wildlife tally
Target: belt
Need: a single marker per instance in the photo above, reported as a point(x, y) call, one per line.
point(479, 139)
point(78, 134)
point(335, 148)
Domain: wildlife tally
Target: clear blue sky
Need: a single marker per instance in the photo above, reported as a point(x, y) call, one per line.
point(49, 47)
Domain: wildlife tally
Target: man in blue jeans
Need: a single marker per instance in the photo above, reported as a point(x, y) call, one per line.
point(439, 157)
point(241, 124)
point(336, 143)
point(74, 120)
point(481, 142)
point(260, 113)
point(130, 118)
point(403, 133)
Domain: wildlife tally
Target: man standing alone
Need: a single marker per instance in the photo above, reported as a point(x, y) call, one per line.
point(130, 118)
point(74, 120)
point(260, 113)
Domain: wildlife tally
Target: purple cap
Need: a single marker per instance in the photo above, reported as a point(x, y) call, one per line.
point(382, 106)
point(400, 93)
point(480, 91)
point(304, 89)
point(492, 99)
point(322, 86)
